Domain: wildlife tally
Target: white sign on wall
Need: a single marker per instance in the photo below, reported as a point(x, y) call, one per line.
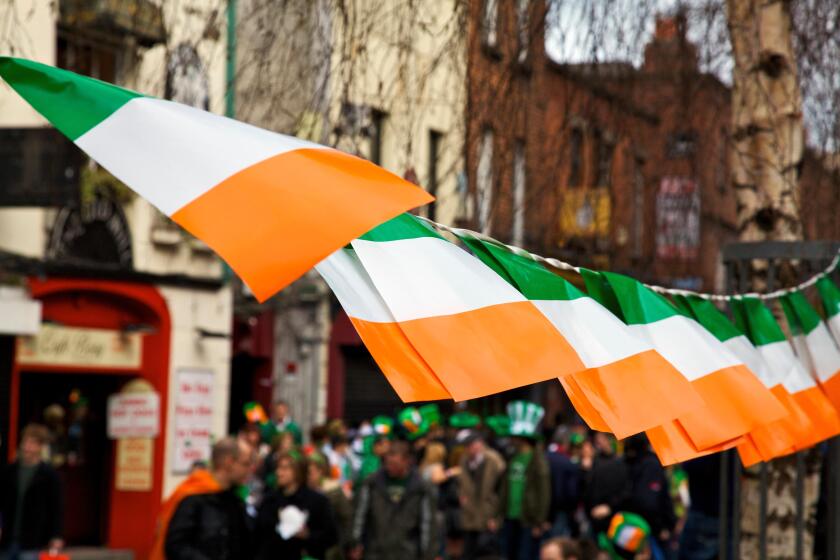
point(193, 418)
point(133, 415)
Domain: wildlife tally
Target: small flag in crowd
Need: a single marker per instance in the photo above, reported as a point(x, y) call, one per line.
point(271, 205)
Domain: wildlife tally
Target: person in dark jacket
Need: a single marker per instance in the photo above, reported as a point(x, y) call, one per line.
point(700, 536)
point(316, 534)
point(215, 525)
point(649, 495)
point(394, 517)
point(604, 480)
point(31, 501)
point(565, 485)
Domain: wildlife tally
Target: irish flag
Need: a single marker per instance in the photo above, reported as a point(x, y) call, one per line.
point(627, 387)
point(754, 318)
point(814, 344)
point(406, 371)
point(830, 296)
point(784, 422)
point(474, 330)
point(734, 399)
point(271, 205)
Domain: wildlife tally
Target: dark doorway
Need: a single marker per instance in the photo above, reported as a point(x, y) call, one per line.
point(366, 391)
point(74, 407)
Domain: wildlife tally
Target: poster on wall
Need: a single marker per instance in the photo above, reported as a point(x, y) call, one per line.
point(193, 418)
point(678, 218)
point(134, 464)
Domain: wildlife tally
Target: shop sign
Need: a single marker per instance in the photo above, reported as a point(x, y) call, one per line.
point(193, 418)
point(77, 347)
point(133, 415)
point(678, 218)
point(585, 213)
point(134, 464)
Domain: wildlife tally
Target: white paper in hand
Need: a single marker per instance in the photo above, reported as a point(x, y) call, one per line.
point(291, 520)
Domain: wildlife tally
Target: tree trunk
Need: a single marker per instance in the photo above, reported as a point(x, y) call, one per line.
point(767, 149)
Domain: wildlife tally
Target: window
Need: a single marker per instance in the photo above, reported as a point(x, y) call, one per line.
point(435, 138)
point(86, 57)
point(523, 29)
point(491, 22)
point(575, 157)
point(519, 192)
point(484, 175)
point(377, 132)
point(682, 144)
point(604, 150)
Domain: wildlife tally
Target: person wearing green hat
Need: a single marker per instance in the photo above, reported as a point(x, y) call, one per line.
point(526, 491)
point(375, 446)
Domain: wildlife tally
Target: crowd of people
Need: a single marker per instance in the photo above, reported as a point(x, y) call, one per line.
point(419, 486)
point(414, 486)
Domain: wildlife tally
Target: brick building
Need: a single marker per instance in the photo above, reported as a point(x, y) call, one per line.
point(608, 165)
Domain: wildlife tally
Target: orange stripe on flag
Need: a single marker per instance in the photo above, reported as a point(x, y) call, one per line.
point(320, 198)
point(831, 387)
point(797, 424)
point(637, 393)
point(736, 402)
point(404, 368)
point(822, 414)
point(673, 445)
point(583, 405)
point(534, 351)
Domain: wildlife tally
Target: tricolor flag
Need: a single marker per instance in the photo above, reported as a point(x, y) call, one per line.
point(785, 422)
point(727, 387)
point(814, 344)
point(830, 296)
point(406, 371)
point(754, 318)
point(271, 205)
point(474, 330)
point(627, 387)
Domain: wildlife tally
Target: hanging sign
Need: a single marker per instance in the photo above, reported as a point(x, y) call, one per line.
point(133, 415)
point(67, 346)
point(134, 464)
point(193, 418)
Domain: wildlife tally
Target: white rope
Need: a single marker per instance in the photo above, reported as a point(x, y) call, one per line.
point(460, 232)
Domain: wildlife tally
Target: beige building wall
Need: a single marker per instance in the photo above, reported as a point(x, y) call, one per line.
point(158, 247)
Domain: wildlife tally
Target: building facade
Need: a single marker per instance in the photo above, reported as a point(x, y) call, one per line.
point(135, 314)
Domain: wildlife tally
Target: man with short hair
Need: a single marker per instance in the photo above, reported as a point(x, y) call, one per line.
point(31, 501)
point(395, 512)
point(215, 525)
point(481, 477)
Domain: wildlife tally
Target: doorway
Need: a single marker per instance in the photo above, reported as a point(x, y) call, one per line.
point(73, 406)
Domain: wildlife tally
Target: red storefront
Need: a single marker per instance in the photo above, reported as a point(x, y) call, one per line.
point(97, 512)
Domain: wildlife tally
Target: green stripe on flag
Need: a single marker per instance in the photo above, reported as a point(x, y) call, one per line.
point(757, 321)
point(483, 254)
point(404, 226)
point(528, 276)
point(709, 316)
point(830, 295)
point(639, 304)
point(72, 103)
point(800, 312)
point(599, 289)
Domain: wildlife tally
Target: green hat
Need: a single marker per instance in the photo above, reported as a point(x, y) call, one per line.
point(413, 422)
point(524, 417)
point(383, 426)
point(464, 419)
point(431, 414)
point(500, 424)
point(254, 412)
point(626, 536)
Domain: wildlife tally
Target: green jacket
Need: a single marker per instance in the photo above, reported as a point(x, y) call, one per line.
point(537, 496)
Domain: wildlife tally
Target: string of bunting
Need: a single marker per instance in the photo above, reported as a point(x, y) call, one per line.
point(562, 265)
